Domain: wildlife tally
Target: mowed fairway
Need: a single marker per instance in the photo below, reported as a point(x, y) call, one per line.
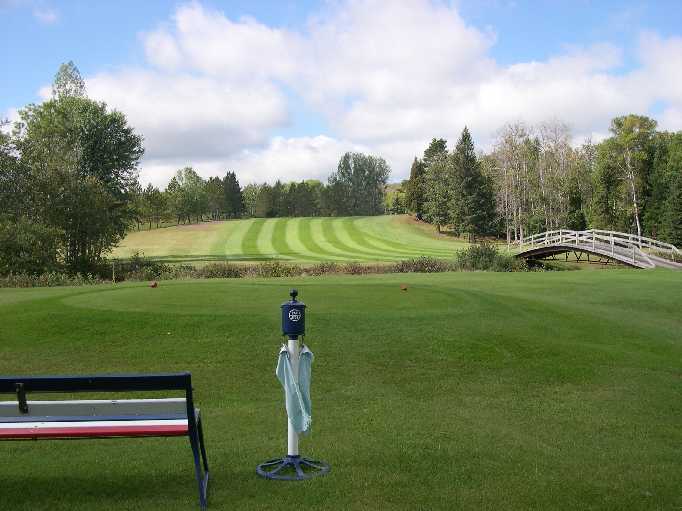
point(468, 391)
point(301, 240)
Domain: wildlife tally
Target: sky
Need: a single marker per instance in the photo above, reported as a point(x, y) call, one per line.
point(281, 89)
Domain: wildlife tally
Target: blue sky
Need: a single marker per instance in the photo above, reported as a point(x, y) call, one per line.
point(318, 80)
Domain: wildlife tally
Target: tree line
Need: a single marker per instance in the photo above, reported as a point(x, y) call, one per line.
point(534, 180)
point(357, 187)
point(69, 187)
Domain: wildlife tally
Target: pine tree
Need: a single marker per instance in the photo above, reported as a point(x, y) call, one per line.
point(438, 181)
point(472, 206)
point(414, 193)
point(437, 150)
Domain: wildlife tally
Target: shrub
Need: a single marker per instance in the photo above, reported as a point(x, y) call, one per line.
point(28, 248)
point(139, 267)
point(219, 270)
point(323, 268)
point(48, 279)
point(422, 265)
point(273, 269)
point(354, 268)
point(486, 257)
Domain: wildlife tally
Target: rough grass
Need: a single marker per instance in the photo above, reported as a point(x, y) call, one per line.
point(467, 391)
point(301, 240)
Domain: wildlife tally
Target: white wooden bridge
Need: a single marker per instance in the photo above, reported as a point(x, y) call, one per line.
point(628, 249)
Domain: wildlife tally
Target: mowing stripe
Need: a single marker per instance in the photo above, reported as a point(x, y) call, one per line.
point(373, 235)
point(232, 247)
point(264, 241)
point(330, 235)
point(284, 235)
point(249, 245)
point(317, 228)
point(305, 236)
point(360, 239)
point(298, 248)
point(344, 234)
point(278, 239)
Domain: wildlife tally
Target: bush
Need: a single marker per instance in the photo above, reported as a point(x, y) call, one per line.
point(422, 265)
point(219, 270)
point(272, 269)
point(324, 268)
point(28, 248)
point(486, 257)
point(139, 267)
point(48, 279)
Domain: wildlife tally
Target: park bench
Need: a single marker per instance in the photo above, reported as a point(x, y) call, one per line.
point(22, 419)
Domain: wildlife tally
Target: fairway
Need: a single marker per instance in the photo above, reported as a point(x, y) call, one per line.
point(467, 391)
point(301, 240)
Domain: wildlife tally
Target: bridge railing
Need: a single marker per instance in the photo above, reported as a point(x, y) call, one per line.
point(623, 244)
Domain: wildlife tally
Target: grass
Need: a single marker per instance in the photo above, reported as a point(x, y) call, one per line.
point(468, 391)
point(301, 240)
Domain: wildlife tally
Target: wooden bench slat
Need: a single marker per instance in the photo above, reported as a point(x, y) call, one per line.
point(95, 407)
point(83, 429)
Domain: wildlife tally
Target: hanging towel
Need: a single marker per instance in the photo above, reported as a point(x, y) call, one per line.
point(297, 396)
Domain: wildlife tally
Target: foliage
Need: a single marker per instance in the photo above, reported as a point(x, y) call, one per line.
point(473, 206)
point(486, 257)
point(77, 167)
point(68, 82)
point(28, 247)
point(422, 264)
point(48, 279)
point(440, 194)
point(415, 189)
point(358, 185)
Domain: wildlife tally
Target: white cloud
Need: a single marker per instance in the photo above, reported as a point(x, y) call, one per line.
point(288, 159)
point(182, 115)
point(387, 76)
point(46, 15)
point(292, 159)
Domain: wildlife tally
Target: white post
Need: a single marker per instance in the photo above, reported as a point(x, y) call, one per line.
point(292, 436)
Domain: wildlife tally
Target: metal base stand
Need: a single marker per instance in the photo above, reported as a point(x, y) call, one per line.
point(292, 468)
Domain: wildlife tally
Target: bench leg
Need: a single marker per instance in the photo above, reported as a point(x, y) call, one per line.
point(202, 447)
point(202, 476)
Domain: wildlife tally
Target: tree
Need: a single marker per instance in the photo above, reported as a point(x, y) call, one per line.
point(250, 197)
point(233, 202)
point(279, 203)
point(14, 181)
point(264, 204)
point(439, 194)
point(626, 158)
point(215, 197)
point(575, 219)
point(437, 150)
point(68, 82)
point(190, 195)
point(673, 218)
point(472, 206)
point(82, 160)
point(414, 190)
point(28, 247)
point(358, 186)
point(137, 203)
point(154, 205)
